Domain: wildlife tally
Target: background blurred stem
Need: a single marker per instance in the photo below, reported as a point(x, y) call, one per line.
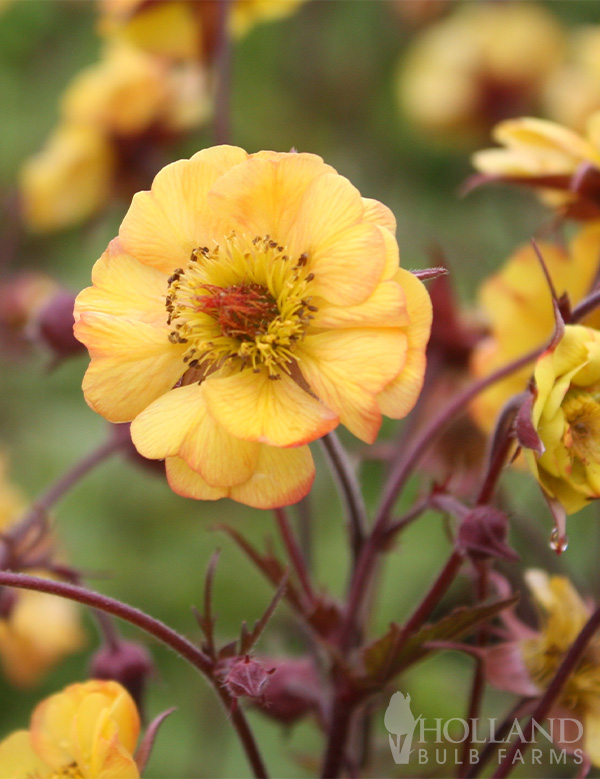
point(222, 116)
point(349, 489)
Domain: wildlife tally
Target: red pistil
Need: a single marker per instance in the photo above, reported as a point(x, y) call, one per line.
point(243, 310)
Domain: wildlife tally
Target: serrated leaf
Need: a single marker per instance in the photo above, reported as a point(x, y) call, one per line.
point(392, 653)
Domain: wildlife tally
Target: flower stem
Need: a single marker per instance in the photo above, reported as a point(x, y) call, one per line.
point(55, 492)
point(181, 645)
point(548, 699)
point(294, 552)
point(221, 124)
point(349, 489)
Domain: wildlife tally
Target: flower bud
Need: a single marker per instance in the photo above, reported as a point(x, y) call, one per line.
point(246, 677)
point(54, 325)
point(482, 534)
point(566, 417)
point(292, 692)
point(128, 663)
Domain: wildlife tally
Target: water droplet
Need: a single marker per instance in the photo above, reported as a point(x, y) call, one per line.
point(558, 543)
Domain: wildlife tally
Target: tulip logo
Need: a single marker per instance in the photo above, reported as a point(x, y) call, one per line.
point(399, 721)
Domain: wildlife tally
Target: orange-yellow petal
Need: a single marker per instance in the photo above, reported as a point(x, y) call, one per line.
point(163, 225)
point(401, 394)
point(386, 307)
point(179, 424)
point(277, 412)
point(133, 363)
point(349, 266)
point(347, 368)
point(282, 477)
point(18, 759)
point(189, 484)
point(379, 214)
point(124, 287)
point(263, 195)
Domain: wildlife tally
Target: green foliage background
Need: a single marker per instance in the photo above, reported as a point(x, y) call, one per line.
point(323, 81)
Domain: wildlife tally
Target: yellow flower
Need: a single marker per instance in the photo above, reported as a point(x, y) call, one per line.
point(566, 415)
point(38, 629)
point(69, 180)
point(87, 731)
point(527, 664)
point(572, 92)
point(127, 92)
point(483, 63)
point(518, 306)
point(563, 165)
point(249, 305)
point(183, 29)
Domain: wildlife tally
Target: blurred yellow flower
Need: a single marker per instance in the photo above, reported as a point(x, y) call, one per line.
point(572, 92)
point(566, 415)
point(485, 62)
point(518, 306)
point(563, 165)
point(183, 29)
point(69, 180)
point(126, 98)
point(128, 92)
point(87, 731)
point(527, 664)
point(286, 313)
point(37, 630)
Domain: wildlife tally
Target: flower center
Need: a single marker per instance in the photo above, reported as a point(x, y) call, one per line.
point(244, 301)
point(582, 434)
point(71, 771)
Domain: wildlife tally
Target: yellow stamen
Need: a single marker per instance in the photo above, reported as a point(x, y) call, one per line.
point(245, 301)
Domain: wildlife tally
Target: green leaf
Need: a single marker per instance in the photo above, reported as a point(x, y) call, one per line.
point(393, 652)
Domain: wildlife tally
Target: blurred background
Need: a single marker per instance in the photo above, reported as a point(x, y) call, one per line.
point(361, 83)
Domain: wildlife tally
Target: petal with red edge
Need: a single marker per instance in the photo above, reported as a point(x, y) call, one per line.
point(277, 412)
point(282, 477)
point(179, 424)
point(189, 484)
point(347, 368)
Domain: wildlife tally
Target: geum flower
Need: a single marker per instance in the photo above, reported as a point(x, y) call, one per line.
point(517, 304)
point(87, 731)
point(563, 165)
point(249, 305)
point(526, 663)
point(566, 417)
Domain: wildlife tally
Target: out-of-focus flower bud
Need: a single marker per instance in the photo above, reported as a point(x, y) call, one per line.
point(22, 296)
point(54, 325)
point(292, 691)
point(483, 532)
point(128, 663)
point(246, 677)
